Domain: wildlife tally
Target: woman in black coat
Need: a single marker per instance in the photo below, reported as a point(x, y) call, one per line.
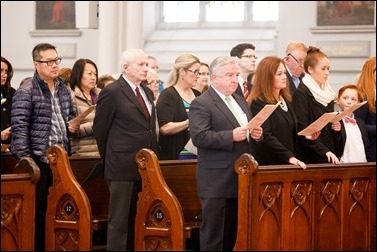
point(7, 93)
point(314, 97)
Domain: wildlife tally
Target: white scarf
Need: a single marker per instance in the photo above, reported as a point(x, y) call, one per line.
point(323, 96)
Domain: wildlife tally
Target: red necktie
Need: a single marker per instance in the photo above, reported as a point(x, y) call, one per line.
point(142, 103)
point(348, 119)
point(245, 90)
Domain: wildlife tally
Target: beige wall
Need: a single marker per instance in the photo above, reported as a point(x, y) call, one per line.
point(118, 30)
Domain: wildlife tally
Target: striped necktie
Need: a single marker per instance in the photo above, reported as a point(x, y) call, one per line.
point(245, 90)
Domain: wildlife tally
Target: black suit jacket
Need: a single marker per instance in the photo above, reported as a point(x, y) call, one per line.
point(292, 87)
point(121, 129)
point(280, 141)
point(239, 91)
point(341, 140)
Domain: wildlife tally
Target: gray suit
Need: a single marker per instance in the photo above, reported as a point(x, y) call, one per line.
point(211, 128)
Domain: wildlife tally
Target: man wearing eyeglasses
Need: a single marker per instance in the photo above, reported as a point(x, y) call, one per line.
point(245, 52)
point(294, 64)
point(40, 113)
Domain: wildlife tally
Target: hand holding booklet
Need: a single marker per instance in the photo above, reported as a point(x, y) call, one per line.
point(79, 118)
point(348, 111)
point(262, 116)
point(318, 124)
point(326, 118)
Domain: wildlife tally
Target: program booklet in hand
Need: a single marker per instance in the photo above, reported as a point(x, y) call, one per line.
point(79, 118)
point(262, 116)
point(348, 111)
point(318, 124)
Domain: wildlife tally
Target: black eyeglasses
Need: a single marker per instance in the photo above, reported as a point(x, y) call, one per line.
point(196, 72)
point(298, 62)
point(249, 56)
point(50, 62)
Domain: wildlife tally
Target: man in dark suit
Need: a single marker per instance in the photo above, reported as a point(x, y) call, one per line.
point(124, 123)
point(294, 64)
point(245, 52)
point(217, 121)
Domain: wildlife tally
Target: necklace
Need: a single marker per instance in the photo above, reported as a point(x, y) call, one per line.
point(283, 105)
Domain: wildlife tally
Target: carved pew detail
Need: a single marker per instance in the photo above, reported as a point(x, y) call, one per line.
point(76, 217)
point(161, 222)
point(326, 207)
point(68, 207)
point(18, 206)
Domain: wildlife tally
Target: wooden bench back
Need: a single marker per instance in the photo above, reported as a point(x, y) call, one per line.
point(168, 206)
point(8, 162)
point(74, 210)
point(325, 207)
point(18, 205)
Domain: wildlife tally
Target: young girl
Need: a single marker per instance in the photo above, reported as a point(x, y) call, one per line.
point(353, 145)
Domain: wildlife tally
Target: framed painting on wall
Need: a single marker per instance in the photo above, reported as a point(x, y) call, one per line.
point(55, 15)
point(345, 13)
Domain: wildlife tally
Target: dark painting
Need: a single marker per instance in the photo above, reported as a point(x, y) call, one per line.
point(53, 15)
point(332, 13)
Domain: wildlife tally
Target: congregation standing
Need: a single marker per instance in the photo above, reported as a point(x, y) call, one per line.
point(208, 104)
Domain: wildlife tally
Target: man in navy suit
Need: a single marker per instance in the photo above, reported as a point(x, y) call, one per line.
point(245, 52)
point(221, 137)
point(122, 127)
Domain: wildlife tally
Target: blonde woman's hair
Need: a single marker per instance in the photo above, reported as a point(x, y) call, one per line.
point(184, 61)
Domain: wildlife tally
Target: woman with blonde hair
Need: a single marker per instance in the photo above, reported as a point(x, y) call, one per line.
point(367, 87)
point(173, 105)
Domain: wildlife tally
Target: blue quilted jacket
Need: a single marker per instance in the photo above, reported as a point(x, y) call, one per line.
point(31, 116)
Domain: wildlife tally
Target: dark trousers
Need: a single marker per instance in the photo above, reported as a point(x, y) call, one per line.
point(41, 193)
point(218, 231)
point(122, 214)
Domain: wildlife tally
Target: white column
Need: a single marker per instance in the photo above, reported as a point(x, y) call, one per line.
point(108, 25)
point(133, 25)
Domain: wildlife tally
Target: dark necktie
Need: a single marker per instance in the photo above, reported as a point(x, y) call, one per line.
point(245, 90)
point(142, 103)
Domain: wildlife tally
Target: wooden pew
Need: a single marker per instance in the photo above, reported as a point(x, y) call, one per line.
point(325, 207)
point(76, 217)
point(18, 204)
point(168, 208)
point(8, 162)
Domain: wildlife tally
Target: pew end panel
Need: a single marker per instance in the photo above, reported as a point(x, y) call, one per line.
point(168, 205)
point(69, 218)
point(18, 206)
point(325, 207)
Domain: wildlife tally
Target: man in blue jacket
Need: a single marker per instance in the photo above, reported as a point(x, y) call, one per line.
point(40, 113)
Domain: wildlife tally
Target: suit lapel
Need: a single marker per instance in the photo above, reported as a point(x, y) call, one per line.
point(243, 104)
point(223, 108)
point(129, 93)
